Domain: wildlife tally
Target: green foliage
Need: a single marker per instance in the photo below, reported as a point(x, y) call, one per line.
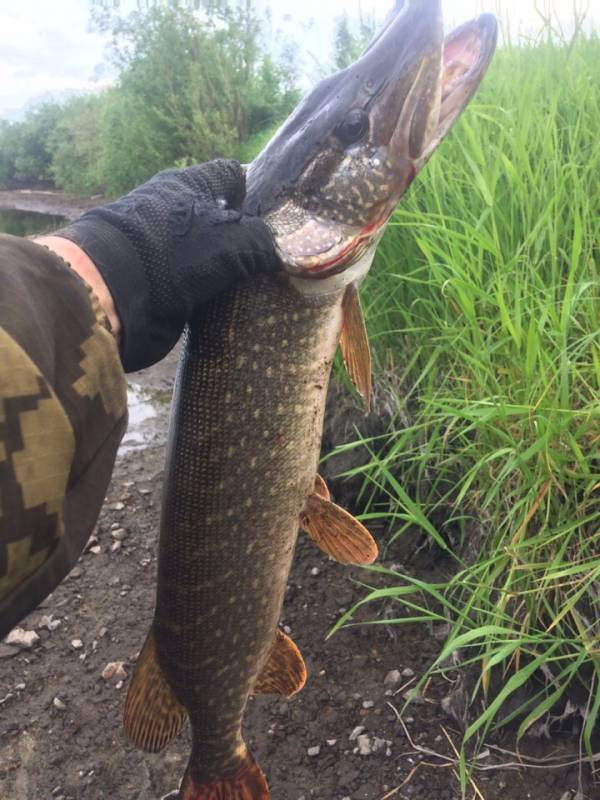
point(24, 154)
point(76, 145)
point(485, 297)
point(193, 85)
point(348, 43)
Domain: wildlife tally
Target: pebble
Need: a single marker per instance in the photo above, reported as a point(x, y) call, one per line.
point(58, 703)
point(117, 506)
point(119, 534)
point(22, 638)
point(364, 745)
point(393, 678)
point(76, 572)
point(287, 629)
point(76, 644)
point(356, 732)
point(408, 673)
point(48, 622)
point(96, 549)
point(314, 751)
point(368, 704)
point(115, 546)
point(114, 669)
point(315, 571)
point(331, 742)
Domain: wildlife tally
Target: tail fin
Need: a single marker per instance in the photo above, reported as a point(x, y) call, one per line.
point(248, 783)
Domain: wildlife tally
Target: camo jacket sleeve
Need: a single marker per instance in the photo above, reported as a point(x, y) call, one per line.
point(63, 411)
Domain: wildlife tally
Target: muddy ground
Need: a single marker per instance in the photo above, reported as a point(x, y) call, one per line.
point(60, 719)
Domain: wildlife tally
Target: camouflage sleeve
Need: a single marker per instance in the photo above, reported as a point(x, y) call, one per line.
point(63, 411)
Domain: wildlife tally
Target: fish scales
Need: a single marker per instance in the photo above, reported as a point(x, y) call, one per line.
point(246, 431)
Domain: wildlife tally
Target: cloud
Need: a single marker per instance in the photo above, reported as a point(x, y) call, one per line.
point(46, 49)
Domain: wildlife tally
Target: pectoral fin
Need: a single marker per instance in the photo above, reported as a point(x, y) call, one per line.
point(285, 670)
point(153, 715)
point(337, 532)
point(355, 345)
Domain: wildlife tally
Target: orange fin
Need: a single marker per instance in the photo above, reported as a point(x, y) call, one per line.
point(337, 532)
point(285, 670)
point(153, 715)
point(355, 345)
point(248, 783)
point(321, 488)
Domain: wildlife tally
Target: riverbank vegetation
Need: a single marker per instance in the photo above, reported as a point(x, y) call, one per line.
point(484, 300)
point(194, 82)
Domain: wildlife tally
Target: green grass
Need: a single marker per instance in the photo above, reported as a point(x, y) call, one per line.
point(485, 298)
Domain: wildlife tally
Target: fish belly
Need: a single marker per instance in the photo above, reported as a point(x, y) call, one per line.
point(243, 451)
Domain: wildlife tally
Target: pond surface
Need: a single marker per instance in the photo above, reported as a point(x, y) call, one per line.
point(28, 223)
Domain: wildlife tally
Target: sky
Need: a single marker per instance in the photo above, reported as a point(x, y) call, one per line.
point(47, 48)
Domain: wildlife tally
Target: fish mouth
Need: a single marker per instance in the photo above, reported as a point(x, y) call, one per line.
point(425, 87)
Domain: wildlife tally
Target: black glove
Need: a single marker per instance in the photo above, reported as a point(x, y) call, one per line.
point(169, 246)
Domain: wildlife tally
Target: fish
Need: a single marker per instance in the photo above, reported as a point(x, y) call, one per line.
point(241, 473)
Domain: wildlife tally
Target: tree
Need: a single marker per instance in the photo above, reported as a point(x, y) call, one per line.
point(349, 44)
point(75, 146)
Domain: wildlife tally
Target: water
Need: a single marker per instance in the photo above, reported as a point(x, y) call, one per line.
point(28, 223)
point(148, 418)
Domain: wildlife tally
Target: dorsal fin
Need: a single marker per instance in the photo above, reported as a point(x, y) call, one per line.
point(153, 715)
point(354, 345)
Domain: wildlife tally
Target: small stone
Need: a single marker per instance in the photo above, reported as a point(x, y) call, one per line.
point(119, 534)
point(315, 571)
point(19, 687)
point(314, 751)
point(96, 549)
point(356, 732)
point(287, 629)
point(114, 581)
point(393, 678)
point(115, 546)
point(408, 673)
point(117, 506)
point(76, 644)
point(368, 704)
point(145, 491)
point(114, 669)
point(22, 638)
point(58, 703)
point(364, 745)
point(119, 685)
point(76, 572)
point(102, 633)
point(331, 742)
point(49, 623)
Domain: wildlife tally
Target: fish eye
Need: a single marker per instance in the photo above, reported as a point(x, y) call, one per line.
point(353, 127)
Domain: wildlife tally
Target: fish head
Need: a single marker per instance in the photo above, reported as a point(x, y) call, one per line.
point(329, 180)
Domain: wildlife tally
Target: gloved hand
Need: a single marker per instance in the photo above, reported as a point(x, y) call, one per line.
point(169, 246)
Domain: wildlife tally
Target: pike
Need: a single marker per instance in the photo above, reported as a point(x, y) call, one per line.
point(247, 415)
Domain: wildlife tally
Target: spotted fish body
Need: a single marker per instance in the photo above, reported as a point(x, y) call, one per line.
point(250, 398)
point(247, 413)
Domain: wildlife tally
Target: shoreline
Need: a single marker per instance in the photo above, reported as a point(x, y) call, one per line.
point(47, 202)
